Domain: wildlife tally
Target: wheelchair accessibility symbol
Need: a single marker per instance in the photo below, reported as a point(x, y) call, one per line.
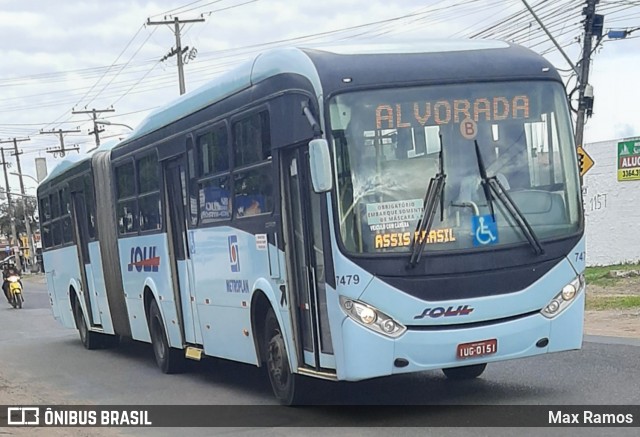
point(485, 230)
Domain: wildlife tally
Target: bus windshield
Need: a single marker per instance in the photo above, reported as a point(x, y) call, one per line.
point(389, 143)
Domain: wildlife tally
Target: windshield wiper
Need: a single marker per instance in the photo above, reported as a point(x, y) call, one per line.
point(492, 186)
point(434, 194)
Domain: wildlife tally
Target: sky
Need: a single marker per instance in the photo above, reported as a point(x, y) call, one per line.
point(77, 55)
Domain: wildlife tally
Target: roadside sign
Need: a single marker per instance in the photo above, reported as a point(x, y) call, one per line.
point(629, 160)
point(584, 161)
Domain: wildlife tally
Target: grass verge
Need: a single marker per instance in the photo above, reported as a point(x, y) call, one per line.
point(614, 301)
point(599, 303)
point(599, 275)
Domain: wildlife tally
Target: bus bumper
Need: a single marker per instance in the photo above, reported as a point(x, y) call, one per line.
point(369, 355)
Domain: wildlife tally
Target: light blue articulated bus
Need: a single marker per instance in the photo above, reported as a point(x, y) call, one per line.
point(343, 213)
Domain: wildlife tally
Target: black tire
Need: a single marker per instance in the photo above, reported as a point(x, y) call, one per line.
point(18, 298)
point(286, 386)
point(90, 340)
point(464, 372)
point(14, 299)
point(169, 360)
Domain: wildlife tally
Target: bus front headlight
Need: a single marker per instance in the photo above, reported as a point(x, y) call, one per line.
point(563, 299)
point(371, 317)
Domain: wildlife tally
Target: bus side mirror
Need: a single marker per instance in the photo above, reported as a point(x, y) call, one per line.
point(320, 162)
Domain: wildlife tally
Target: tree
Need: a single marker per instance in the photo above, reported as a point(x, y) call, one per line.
point(5, 221)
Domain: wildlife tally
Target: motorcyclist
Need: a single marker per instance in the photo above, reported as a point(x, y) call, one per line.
point(10, 269)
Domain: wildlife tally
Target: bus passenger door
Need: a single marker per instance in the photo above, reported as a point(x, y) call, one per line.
point(79, 212)
point(182, 270)
point(305, 261)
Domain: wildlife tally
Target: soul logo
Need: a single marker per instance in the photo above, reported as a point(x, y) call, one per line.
point(144, 259)
point(434, 313)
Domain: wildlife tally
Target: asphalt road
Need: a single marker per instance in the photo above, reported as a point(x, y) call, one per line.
point(49, 361)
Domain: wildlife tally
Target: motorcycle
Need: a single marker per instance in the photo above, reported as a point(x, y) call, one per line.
point(15, 291)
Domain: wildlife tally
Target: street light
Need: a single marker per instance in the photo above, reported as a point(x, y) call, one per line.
point(24, 175)
point(107, 122)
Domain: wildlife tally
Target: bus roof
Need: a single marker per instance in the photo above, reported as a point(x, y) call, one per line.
point(74, 161)
point(312, 61)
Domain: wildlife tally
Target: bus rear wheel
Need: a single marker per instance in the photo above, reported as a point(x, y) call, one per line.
point(285, 384)
point(464, 372)
point(169, 360)
point(90, 340)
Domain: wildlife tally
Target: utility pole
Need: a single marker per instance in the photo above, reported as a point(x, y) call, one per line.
point(12, 219)
point(585, 92)
point(62, 150)
point(96, 131)
point(553, 40)
point(27, 222)
point(177, 50)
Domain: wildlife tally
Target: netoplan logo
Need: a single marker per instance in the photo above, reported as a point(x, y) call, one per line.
point(234, 255)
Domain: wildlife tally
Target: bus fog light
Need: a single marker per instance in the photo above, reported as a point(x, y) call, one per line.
point(553, 307)
point(388, 326)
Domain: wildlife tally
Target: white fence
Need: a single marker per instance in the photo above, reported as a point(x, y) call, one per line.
point(612, 208)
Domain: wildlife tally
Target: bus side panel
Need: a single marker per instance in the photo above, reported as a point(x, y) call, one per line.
point(100, 290)
point(145, 260)
point(62, 268)
point(227, 264)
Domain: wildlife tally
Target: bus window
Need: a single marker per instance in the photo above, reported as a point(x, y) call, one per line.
point(253, 191)
point(126, 217)
point(252, 139)
point(67, 234)
point(213, 149)
point(125, 182)
point(149, 209)
point(47, 237)
point(45, 209)
point(215, 200)
point(126, 209)
point(90, 206)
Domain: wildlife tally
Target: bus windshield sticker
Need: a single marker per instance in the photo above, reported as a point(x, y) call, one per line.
point(393, 215)
point(485, 230)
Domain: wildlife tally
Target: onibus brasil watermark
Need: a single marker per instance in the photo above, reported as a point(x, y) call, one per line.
point(40, 416)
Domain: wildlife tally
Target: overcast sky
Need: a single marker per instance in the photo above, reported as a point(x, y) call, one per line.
point(59, 55)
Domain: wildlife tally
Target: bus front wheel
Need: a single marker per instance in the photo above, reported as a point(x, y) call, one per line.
point(285, 384)
point(169, 360)
point(464, 372)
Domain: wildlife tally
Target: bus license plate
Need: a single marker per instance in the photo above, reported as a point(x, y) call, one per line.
point(477, 348)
